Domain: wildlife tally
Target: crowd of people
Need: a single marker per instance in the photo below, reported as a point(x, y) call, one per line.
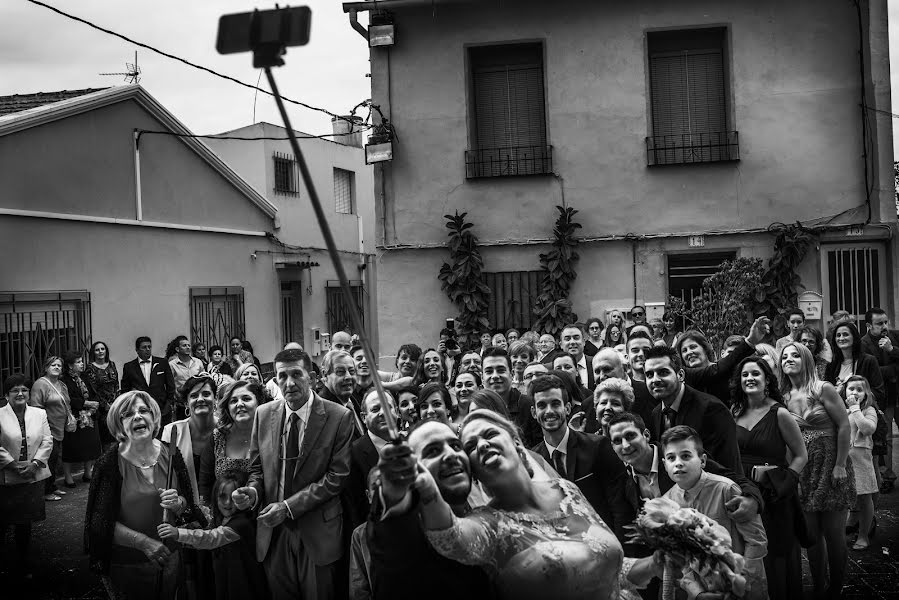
point(518, 467)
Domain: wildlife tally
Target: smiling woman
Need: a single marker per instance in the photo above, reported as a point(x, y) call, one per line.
point(229, 450)
point(553, 544)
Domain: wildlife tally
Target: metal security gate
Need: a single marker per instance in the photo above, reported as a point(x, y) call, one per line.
point(853, 281)
point(36, 325)
point(291, 312)
point(217, 315)
point(338, 314)
point(513, 299)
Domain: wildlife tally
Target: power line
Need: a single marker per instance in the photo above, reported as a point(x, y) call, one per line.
point(182, 60)
point(323, 136)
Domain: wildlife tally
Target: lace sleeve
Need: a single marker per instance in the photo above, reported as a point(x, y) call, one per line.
point(469, 540)
point(628, 588)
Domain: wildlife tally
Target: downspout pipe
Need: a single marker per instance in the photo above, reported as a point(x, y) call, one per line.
point(354, 23)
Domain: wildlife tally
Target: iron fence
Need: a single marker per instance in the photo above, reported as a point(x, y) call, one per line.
point(508, 161)
point(689, 148)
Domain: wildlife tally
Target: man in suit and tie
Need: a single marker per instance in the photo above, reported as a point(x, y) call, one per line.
point(572, 342)
point(299, 464)
point(496, 373)
point(339, 383)
point(583, 458)
point(153, 375)
point(682, 405)
point(364, 454)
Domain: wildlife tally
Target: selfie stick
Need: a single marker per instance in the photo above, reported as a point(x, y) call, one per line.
point(265, 57)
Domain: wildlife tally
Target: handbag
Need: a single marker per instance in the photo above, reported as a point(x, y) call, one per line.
point(758, 471)
point(71, 422)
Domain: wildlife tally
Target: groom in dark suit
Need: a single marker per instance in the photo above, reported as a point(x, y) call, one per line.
point(153, 375)
point(300, 462)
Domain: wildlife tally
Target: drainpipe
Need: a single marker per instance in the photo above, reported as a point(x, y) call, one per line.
point(137, 199)
point(354, 23)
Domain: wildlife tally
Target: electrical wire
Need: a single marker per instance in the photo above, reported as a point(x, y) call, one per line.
point(182, 60)
point(323, 136)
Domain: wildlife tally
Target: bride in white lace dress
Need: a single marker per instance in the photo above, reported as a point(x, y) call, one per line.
point(536, 539)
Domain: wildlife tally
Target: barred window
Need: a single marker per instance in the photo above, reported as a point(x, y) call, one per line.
point(217, 315)
point(286, 174)
point(36, 325)
point(344, 191)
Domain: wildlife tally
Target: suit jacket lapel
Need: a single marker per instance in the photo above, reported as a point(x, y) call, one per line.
point(317, 418)
point(571, 455)
point(275, 428)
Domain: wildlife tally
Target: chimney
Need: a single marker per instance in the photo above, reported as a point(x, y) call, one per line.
point(342, 125)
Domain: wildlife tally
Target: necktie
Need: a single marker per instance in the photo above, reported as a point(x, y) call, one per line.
point(291, 453)
point(559, 463)
point(668, 417)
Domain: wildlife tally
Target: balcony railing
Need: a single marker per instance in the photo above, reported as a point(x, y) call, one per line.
point(689, 148)
point(509, 161)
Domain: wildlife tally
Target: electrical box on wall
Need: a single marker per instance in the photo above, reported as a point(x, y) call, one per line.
point(316, 341)
point(326, 343)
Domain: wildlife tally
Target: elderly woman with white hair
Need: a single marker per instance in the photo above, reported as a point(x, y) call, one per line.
point(128, 500)
point(612, 397)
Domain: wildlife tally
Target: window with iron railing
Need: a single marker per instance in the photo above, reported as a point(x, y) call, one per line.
point(217, 315)
point(286, 174)
point(37, 325)
point(509, 112)
point(338, 312)
point(688, 98)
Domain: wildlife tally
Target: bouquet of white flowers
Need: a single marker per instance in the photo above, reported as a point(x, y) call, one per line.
point(693, 540)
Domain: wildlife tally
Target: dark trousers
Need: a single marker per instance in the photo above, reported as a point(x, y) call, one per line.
point(53, 465)
point(290, 571)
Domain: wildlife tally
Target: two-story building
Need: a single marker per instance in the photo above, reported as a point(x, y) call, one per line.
point(311, 299)
point(116, 222)
point(680, 131)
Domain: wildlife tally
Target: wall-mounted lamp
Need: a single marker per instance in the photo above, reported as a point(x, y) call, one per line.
point(379, 148)
point(381, 30)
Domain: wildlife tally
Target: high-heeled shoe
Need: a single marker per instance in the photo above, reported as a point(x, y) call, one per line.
point(70, 485)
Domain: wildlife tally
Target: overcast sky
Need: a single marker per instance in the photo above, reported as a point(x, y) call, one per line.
point(43, 51)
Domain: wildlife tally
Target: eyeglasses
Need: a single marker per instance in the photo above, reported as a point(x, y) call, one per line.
point(144, 412)
point(638, 314)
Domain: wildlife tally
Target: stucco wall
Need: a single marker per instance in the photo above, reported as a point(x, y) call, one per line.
point(139, 277)
point(253, 160)
point(84, 164)
point(793, 93)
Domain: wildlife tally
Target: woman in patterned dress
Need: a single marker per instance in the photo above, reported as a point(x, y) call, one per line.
point(827, 484)
point(230, 447)
point(102, 379)
point(536, 539)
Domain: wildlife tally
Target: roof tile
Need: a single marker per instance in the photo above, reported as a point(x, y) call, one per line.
point(19, 102)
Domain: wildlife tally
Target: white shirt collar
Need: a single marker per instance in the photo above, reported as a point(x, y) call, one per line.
point(378, 442)
point(654, 467)
point(302, 412)
point(563, 445)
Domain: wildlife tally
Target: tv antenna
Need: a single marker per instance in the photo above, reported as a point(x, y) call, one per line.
point(133, 71)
